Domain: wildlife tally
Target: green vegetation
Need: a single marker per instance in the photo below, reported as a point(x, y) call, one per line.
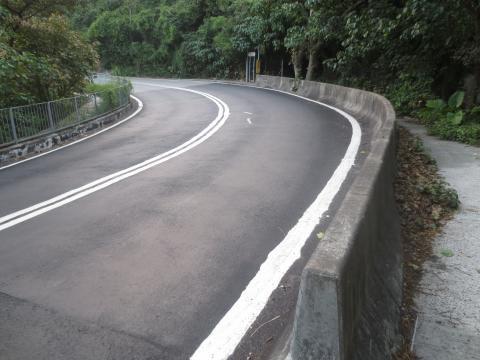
point(447, 253)
point(441, 193)
point(110, 95)
point(41, 57)
point(39, 118)
point(450, 121)
point(412, 51)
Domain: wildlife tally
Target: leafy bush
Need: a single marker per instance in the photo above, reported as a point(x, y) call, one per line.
point(108, 87)
point(29, 124)
point(409, 92)
point(5, 133)
point(209, 51)
point(41, 57)
point(437, 109)
point(449, 121)
point(441, 193)
point(109, 94)
point(467, 133)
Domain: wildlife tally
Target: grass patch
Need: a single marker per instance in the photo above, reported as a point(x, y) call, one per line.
point(447, 253)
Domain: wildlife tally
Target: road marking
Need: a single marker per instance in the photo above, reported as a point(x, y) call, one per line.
point(228, 333)
point(249, 121)
point(248, 113)
point(140, 107)
point(78, 193)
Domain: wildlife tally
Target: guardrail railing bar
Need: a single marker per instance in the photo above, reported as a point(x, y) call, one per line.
point(26, 121)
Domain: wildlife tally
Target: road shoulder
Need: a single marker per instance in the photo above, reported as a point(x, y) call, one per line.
point(448, 296)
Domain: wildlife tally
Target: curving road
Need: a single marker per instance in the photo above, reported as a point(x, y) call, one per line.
point(146, 266)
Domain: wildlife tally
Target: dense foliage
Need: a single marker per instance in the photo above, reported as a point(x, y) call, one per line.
point(410, 50)
point(41, 57)
point(406, 48)
point(111, 94)
point(450, 120)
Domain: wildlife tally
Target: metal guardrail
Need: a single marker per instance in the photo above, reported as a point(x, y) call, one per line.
point(24, 122)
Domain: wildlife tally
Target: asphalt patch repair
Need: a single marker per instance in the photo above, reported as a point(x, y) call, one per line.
point(425, 203)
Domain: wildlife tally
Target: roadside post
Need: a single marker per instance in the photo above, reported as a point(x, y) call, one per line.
point(250, 69)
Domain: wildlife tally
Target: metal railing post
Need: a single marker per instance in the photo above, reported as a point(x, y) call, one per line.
point(119, 97)
point(76, 109)
point(12, 126)
point(52, 115)
point(50, 118)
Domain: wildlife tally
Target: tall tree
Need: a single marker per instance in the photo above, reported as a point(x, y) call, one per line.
point(42, 57)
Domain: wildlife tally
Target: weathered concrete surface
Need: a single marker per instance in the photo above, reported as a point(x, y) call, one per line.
point(448, 302)
point(47, 141)
point(349, 301)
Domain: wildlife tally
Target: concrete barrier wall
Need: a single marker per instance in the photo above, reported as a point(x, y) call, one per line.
point(351, 288)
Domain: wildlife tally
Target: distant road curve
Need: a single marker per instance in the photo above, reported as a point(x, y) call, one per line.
point(164, 237)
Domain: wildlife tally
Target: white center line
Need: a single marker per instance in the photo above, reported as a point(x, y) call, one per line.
point(94, 186)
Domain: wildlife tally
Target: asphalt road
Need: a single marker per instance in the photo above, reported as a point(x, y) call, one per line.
point(145, 268)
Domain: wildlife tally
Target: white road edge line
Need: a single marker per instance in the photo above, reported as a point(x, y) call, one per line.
point(140, 108)
point(228, 333)
point(75, 194)
point(108, 177)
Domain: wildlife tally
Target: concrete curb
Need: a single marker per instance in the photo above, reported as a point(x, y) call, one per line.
point(48, 140)
point(351, 288)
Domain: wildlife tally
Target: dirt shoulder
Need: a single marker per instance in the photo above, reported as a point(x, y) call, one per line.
point(425, 203)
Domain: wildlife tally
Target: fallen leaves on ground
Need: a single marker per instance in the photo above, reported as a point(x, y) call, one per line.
point(425, 203)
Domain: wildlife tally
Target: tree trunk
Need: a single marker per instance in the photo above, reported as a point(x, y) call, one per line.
point(297, 57)
point(476, 100)
point(470, 85)
point(313, 62)
point(475, 90)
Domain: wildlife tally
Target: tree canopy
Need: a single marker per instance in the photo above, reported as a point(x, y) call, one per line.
point(410, 50)
point(41, 57)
